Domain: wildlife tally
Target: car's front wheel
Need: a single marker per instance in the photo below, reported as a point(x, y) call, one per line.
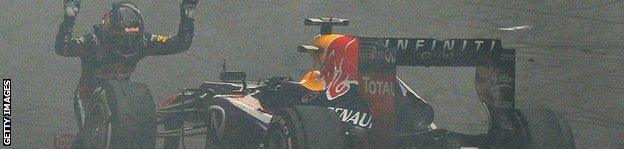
point(304, 127)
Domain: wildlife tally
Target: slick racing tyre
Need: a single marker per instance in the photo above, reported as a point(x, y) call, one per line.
point(120, 115)
point(546, 129)
point(306, 127)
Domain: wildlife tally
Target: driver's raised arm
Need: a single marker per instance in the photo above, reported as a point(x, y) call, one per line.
point(70, 45)
point(165, 45)
point(67, 44)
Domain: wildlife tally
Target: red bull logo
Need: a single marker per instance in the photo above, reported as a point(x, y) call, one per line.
point(131, 29)
point(340, 66)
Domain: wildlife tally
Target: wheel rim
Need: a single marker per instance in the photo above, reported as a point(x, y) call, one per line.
point(98, 126)
point(99, 131)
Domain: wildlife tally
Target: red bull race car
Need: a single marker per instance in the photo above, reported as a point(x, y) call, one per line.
point(353, 99)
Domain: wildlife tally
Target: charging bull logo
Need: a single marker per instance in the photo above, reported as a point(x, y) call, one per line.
point(340, 63)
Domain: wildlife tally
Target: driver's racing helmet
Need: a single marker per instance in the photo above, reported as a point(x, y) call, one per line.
point(124, 23)
point(336, 65)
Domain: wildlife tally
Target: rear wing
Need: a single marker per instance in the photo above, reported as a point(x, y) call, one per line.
point(495, 66)
point(379, 57)
point(445, 53)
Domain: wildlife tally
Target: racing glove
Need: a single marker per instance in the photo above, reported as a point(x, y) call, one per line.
point(186, 29)
point(187, 9)
point(72, 7)
point(163, 45)
point(64, 37)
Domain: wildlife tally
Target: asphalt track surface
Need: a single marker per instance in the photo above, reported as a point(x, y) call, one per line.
point(569, 58)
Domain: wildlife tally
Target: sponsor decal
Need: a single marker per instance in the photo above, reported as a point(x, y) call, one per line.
point(340, 66)
point(131, 29)
point(159, 38)
point(375, 57)
point(383, 55)
point(432, 52)
point(6, 112)
point(357, 118)
point(378, 87)
point(446, 45)
point(377, 78)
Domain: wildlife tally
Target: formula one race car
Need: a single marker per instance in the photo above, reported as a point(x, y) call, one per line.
point(353, 99)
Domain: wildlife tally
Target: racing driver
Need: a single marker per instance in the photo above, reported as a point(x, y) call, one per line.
point(113, 49)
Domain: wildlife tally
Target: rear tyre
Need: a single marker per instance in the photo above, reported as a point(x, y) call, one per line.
point(305, 127)
point(533, 128)
point(122, 115)
point(547, 129)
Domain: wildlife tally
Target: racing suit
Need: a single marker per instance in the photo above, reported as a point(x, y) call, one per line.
point(101, 60)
